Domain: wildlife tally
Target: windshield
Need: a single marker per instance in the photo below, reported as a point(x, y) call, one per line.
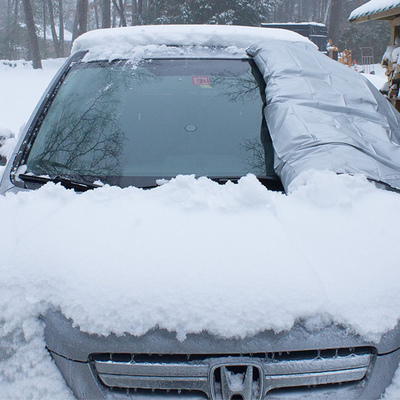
point(121, 123)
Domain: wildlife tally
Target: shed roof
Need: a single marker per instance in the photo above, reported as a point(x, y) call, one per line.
point(376, 9)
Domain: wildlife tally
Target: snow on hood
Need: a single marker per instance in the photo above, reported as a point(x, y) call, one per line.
point(123, 43)
point(192, 255)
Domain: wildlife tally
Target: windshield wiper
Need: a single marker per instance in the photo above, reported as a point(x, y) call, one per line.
point(225, 179)
point(68, 183)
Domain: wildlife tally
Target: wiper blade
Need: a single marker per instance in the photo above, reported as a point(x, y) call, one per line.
point(225, 179)
point(78, 185)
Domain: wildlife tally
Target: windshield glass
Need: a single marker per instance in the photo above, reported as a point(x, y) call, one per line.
point(119, 122)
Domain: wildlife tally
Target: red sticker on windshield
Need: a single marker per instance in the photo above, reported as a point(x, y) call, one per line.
point(201, 80)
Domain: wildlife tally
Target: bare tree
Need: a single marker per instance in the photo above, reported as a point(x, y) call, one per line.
point(12, 20)
point(334, 20)
point(96, 14)
point(61, 31)
point(53, 29)
point(81, 17)
point(326, 10)
point(32, 37)
point(105, 14)
point(134, 13)
point(120, 10)
point(44, 24)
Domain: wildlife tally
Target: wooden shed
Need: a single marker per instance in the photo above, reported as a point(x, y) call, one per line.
point(380, 10)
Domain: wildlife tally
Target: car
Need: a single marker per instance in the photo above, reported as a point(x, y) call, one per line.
point(138, 106)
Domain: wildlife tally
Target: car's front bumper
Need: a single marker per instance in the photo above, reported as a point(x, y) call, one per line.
point(328, 364)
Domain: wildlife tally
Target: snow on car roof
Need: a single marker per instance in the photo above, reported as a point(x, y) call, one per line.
point(374, 7)
point(293, 23)
point(123, 42)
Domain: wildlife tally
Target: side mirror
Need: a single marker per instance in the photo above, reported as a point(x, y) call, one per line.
point(5, 135)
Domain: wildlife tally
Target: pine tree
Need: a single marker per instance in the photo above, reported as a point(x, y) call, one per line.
point(233, 12)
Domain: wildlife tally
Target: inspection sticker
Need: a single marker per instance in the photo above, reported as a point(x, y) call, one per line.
point(201, 80)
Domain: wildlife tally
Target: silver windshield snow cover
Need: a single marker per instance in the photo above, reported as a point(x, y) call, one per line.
point(322, 115)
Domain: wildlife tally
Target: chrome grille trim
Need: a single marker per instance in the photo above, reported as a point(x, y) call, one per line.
point(162, 383)
point(195, 375)
point(314, 379)
point(151, 369)
point(317, 365)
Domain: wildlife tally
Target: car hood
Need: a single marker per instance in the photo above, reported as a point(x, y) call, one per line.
point(62, 337)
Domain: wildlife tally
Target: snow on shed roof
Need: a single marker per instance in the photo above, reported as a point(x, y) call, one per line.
point(119, 42)
point(374, 7)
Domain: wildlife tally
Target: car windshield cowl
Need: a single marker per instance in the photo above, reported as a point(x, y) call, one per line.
point(82, 184)
point(69, 183)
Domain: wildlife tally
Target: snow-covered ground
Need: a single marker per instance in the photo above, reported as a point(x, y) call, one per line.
point(378, 78)
point(201, 245)
point(21, 88)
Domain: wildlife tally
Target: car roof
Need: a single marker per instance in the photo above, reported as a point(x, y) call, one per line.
point(137, 41)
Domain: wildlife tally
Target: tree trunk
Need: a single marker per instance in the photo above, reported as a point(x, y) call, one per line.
point(114, 18)
point(96, 15)
point(120, 10)
point(12, 21)
point(53, 29)
point(327, 9)
point(303, 11)
point(105, 14)
point(315, 11)
point(32, 37)
point(80, 22)
point(334, 21)
point(134, 13)
point(9, 8)
point(44, 23)
point(61, 23)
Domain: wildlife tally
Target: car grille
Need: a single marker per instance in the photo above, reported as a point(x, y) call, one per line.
point(187, 375)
